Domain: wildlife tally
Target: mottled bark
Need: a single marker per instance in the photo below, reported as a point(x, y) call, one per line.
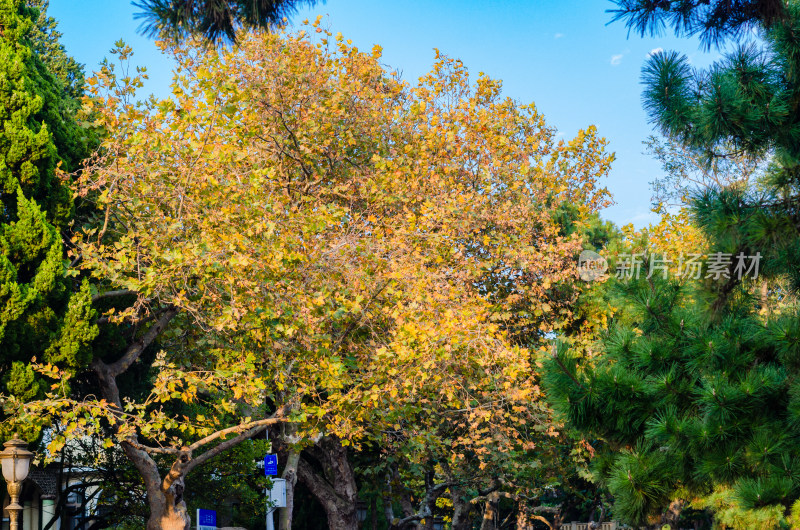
point(164, 497)
point(290, 475)
point(324, 469)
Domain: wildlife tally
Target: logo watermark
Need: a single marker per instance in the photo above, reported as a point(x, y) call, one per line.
point(592, 266)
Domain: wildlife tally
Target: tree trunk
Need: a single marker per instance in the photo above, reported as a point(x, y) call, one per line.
point(557, 521)
point(461, 510)
point(764, 295)
point(290, 474)
point(326, 472)
point(392, 483)
point(523, 522)
point(490, 513)
point(673, 514)
point(342, 520)
point(167, 514)
point(373, 509)
point(167, 507)
point(405, 502)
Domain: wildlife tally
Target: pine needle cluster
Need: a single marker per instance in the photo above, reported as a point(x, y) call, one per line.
point(696, 390)
point(214, 20)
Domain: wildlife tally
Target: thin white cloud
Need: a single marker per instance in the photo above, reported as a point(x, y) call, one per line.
point(616, 59)
point(558, 36)
point(655, 51)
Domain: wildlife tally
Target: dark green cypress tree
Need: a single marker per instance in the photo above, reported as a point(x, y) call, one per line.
point(43, 313)
point(697, 389)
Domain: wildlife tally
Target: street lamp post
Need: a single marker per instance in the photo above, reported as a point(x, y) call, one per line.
point(16, 461)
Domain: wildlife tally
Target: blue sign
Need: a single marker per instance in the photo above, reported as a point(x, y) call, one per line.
point(206, 519)
point(271, 465)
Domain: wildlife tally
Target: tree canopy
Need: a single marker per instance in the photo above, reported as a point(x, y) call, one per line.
point(320, 242)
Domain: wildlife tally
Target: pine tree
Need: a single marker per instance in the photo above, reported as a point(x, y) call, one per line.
point(214, 20)
point(695, 392)
point(748, 102)
point(714, 21)
point(43, 314)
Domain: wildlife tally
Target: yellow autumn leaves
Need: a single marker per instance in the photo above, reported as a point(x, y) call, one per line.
point(379, 248)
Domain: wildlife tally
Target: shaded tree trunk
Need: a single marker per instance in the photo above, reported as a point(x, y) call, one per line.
point(489, 521)
point(325, 471)
point(394, 489)
point(557, 521)
point(461, 510)
point(422, 518)
point(405, 498)
point(373, 509)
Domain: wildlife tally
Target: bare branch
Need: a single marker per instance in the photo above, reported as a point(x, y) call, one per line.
point(113, 294)
point(425, 504)
point(541, 519)
point(152, 450)
point(246, 431)
point(277, 417)
point(107, 373)
point(135, 349)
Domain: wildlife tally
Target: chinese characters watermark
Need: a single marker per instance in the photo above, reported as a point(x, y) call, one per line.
point(718, 265)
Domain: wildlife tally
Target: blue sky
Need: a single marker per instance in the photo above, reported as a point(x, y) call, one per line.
point(561, 55)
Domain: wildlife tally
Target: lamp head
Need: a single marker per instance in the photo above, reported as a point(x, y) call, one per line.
point(16, 460)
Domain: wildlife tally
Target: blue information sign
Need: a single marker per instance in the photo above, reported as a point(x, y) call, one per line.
point(271, 465)
point(206, 519)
